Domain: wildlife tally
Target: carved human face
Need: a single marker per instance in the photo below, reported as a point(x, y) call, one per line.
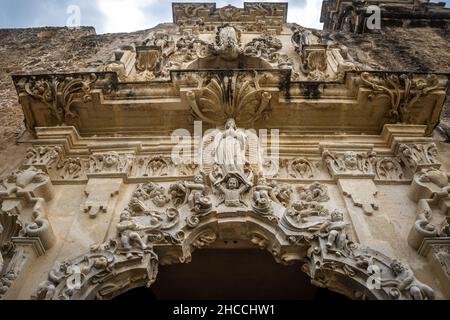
point(233, 183)
point(337, 216)
point(125, 216)
point(198, 179)
point(100, 263)
point(397, 267)
point(111, 159)
point(350, 159)
point(231, 124)
point(65, 266)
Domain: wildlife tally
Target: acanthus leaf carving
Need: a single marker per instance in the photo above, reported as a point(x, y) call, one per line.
point(71, 168)
point(389, 169)
point(60, 94)
point(417, 156)
point(43, 155)
point(403, 91)
point(155, 166)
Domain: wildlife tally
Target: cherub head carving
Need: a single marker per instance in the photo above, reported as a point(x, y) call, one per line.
point(350, 160)
point(232, 184)
point(336, 215)
point(397, 267)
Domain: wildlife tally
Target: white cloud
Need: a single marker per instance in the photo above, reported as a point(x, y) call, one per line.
point(126, 15)
point(133, 15)
point(308, 16)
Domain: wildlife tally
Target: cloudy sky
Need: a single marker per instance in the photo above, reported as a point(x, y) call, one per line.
point(126, 15)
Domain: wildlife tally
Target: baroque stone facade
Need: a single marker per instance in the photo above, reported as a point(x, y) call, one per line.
point(353, 185)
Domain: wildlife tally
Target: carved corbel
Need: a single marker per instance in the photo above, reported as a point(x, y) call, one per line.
point(59, 93)
point(437, 252)
point(24, 195)
point(431, 188)
point(99, 194)
point(25, 231)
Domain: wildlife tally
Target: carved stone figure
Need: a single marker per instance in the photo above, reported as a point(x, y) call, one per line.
point(232, 189)
point(300, 38)
point(349, 162)
point(334, 230)
point(47, 288)
point(300, 211)
point(262, 202)
point(406, 282)
point(230, 152)
point(314, 192)
point(194, 194)
point(282, 193)
point(197, 199)
point(264, 47)
point(152, 191)
point(127, 230)
point(227, 43)
point(233, 69)
point(158, 39)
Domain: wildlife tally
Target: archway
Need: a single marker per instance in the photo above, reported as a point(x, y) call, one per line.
point(110, 270)
point(231, 274)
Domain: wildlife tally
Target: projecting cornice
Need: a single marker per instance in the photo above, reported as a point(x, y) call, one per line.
point(96, 103)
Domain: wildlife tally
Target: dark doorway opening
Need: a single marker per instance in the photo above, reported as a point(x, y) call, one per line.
point(237, 274)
